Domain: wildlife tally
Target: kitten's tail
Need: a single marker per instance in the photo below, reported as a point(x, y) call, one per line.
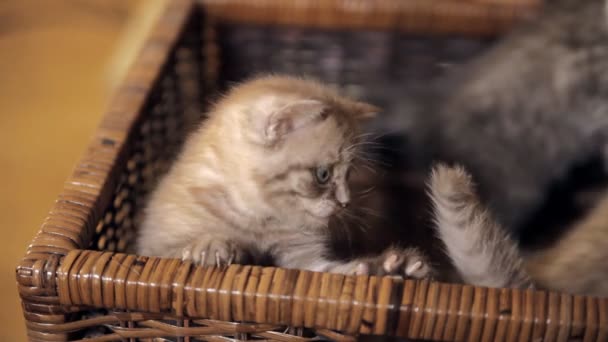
point(482, 251)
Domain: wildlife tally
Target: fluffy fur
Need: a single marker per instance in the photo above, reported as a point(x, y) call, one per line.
point(480, 249)
point(484, 253)
point(244, 186)
point(519, 117)
point(577, 261)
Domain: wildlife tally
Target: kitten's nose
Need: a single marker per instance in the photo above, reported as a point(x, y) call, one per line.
point(342, 196)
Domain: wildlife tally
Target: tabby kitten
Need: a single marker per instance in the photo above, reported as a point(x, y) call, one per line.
point(518, 118)
point(485, 254)
point(262, 177)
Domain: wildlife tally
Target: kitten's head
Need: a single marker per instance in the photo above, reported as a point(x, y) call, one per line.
point(301, 138)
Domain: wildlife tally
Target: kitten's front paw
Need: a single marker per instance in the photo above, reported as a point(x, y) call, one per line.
point(212, 253)
point(408, 263)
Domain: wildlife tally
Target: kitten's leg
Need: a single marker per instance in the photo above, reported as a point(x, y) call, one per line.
point(213, 252)
point(481, 250)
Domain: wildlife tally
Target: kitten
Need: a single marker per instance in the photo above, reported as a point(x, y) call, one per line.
point(522, 114)
point(519, 118)
point(485, 254)
point(262, 176)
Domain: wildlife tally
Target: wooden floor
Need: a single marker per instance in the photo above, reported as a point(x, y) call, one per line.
point(54, 59)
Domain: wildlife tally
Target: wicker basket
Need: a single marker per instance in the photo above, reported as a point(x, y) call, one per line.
point(76, 280)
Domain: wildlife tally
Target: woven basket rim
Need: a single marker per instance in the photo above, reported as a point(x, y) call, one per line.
point(451, 17)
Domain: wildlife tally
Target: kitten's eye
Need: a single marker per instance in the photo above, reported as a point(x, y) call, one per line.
point(322, 174)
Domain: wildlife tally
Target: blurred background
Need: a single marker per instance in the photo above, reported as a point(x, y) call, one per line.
point(59, 61)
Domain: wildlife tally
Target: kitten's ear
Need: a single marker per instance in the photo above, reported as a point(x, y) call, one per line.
point(364, 111)
point(291, 117)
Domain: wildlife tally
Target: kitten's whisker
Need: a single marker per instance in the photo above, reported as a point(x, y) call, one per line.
point(365, 154)
point(366, 192)
point(376, 135)
point(364, 158)
point(379, 149)
point(372, 212)
point(357, 145)
point(362, 227)
point(344, 227)
point(368, 136)
point(366, 143)
point(369, 168)
point(368, 156)
point(369, 161)
point(361, 223)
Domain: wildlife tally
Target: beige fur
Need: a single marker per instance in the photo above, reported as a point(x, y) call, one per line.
point(485, 255)
point(244, 185)
point(577, 262)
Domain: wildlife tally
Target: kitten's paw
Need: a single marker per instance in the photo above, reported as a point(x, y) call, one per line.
point(212, 253)
point(451, 184)
point(408, 263)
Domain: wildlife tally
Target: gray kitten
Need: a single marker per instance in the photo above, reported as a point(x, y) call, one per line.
point(522, 114)
point(518, 118)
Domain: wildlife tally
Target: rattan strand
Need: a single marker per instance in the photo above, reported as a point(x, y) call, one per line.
point(470, 17)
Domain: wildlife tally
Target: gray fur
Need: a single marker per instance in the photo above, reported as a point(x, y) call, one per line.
point(518, 118)
point(522, 114)
point(481, 250)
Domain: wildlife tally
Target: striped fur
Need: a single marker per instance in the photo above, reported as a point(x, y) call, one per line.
point(481, 250)
point(485, 255)
point(244, 185)
point(519, 117)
